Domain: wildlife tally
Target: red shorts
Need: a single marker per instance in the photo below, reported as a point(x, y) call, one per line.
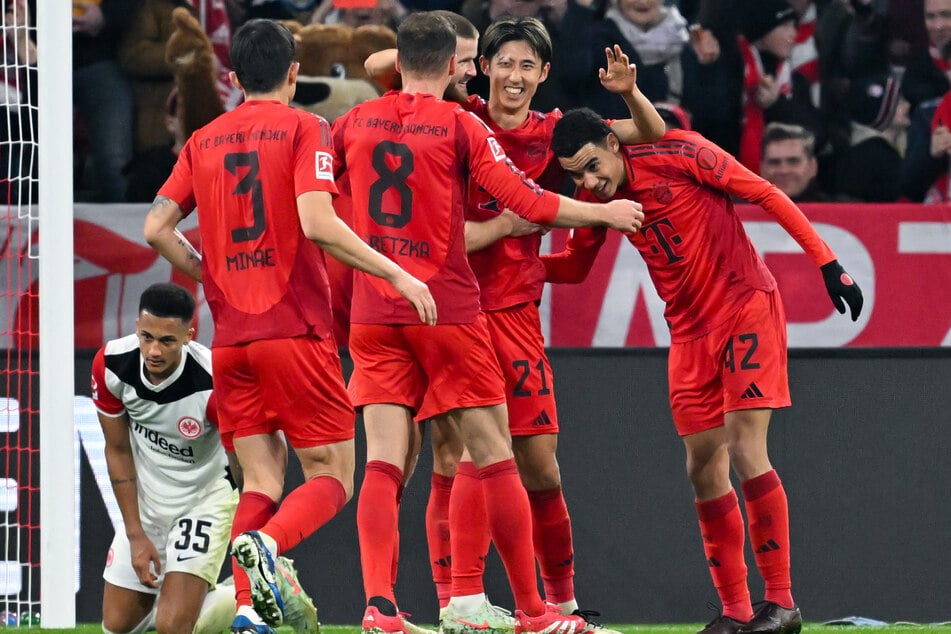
point(429, 369)
point(294, 385)
point(740, 364)
point(529, 389)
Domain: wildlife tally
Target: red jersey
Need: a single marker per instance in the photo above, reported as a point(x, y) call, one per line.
point(263, 278)
point(409, 158)
point(700, 259)
point(509, 270)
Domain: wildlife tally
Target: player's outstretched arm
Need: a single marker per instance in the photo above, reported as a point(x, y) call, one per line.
point(620, 77)
point(621, 214)
point(122, 475)
point(330, 233)
point(161, 233)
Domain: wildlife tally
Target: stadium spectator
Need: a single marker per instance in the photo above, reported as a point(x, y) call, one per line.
point(788, 160)
point(169, 473)
point(276, 363)
point(404, 373)
point(18, 106)
point(503, 253)
point(652, 34)
point(102, 96)
point(727, 360)
point(924, 84)
point(865, 170)
point(772, 90)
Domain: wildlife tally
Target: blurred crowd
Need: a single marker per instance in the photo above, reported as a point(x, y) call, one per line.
point(832, 100)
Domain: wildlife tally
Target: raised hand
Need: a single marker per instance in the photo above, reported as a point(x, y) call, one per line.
point(620, 76)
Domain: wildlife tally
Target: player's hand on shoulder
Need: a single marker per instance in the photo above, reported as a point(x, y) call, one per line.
point(623, 215)
point(620, 76)
point(417, 294)
point(842, 289)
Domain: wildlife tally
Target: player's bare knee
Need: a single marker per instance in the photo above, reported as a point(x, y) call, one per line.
point(175, 623)
point(126, 623)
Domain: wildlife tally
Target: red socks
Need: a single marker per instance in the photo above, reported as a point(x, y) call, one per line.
point(253, 512)
point(377, 526)
point(510, 522)
point(551, 535)
point(721, 526)
point(469, 527)
point(304, 510)
point(437, 536)
point(768, 513)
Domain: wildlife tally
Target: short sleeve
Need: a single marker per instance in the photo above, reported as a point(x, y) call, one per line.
point(106, 402)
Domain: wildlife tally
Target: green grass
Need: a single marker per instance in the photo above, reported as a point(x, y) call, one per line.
point(809, 628)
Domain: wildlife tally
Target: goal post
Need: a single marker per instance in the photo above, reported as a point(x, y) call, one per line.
point(56, 354)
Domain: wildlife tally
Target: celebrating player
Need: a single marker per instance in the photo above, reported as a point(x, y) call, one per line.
point(727, 362)
point(169, 474)
point(407, 154)
point(503, 253)
point(261, 177)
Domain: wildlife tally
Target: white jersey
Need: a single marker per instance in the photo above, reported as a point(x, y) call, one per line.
point(175, 445)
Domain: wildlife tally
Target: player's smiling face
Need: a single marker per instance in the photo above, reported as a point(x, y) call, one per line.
point(160, 342)
point(514, 73)
point(466, 52)
point(600, 170)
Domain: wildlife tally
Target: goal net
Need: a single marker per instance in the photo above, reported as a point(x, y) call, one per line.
point(36, 185)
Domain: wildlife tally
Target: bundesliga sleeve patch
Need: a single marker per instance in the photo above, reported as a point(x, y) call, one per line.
point(497, 152)
point(324, 163)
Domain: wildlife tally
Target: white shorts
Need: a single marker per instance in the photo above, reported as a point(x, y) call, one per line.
point(195, 541)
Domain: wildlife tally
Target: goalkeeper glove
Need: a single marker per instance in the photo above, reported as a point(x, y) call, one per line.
point(841, 286)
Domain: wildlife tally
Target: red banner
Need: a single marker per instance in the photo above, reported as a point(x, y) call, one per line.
point(899, 254)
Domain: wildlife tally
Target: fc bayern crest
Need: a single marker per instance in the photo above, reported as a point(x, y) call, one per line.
point(189, 427)
point(662, 193)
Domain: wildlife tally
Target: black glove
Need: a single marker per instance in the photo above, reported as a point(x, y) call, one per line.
point(841, 286)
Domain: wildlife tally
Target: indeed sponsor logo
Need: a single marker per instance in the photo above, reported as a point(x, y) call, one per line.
point(153, 437)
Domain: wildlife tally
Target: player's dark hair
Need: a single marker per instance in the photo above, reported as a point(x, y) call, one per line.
point(460, 24)
point(776, 131)
point(576, 129)
point(522, 29)
point(425, 42)
point(261, 53)
point(168, 300)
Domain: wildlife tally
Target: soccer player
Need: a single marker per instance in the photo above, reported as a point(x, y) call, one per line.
point(408, 155)
point(503, 253)
point(727, 363)
point(168, 469)
point(261, 177)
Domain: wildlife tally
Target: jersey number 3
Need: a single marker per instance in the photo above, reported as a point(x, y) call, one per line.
point(249, 183)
